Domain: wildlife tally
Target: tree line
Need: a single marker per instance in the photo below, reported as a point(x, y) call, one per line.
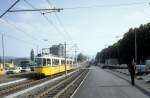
point(124, 49)
point(81, 57)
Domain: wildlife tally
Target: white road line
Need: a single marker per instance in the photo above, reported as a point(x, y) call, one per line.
point(79, 85)
point(36, 86)
point(11, 82)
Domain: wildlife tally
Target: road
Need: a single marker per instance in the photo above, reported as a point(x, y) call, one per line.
point(101, 84)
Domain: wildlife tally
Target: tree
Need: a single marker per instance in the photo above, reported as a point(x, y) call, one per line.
point(0, 60)
point(32, 55)
point(81, 57)
point(124, 49)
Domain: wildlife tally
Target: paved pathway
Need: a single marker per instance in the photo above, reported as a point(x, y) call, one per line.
point(101, 84)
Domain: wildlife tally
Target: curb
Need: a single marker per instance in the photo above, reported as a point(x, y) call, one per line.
point(122, 72)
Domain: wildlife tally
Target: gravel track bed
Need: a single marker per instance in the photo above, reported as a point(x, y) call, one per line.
point(35, 92)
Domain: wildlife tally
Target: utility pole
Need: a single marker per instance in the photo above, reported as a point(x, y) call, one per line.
point(37, 50)
point(65, 58)
point(135, 39)
point(3, 50)
point(118, 51)
point(76, 55)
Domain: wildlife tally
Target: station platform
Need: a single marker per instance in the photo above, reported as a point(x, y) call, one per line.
point(102, 84)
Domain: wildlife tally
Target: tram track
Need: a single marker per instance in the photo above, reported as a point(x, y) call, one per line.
point(62, 88)
point(71, 87)
point(3, 88)
point(14, 77)
point(23, 85)
point(17, 87)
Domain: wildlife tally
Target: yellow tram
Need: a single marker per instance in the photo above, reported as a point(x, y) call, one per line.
point(48, 64)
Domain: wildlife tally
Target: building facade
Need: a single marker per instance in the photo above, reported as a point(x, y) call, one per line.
point(57, 50)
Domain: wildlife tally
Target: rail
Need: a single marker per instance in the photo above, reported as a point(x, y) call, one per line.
point(58, 89)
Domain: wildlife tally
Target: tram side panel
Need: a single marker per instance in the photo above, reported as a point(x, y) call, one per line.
point(51, 70)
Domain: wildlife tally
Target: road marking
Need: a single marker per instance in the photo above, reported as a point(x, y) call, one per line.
point(36, 86)
point(79, 85)
point(11, 82)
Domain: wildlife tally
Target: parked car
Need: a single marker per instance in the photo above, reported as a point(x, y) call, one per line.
point(13, 70)
point(26, 64)
point(140, 69)
point(25, 69)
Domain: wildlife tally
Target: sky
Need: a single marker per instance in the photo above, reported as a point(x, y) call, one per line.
point(91, 29)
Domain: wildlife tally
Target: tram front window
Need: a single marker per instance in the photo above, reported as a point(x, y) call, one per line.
point(39, 62)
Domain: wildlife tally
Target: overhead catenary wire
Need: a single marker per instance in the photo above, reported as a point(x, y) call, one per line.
point(62, 25)
point(64, 29)
point(60, 22)
point(94, 6)
point(18, 39)
point(3, 47)
point(12, 24)
point(19, 29)
point(106, 5)
point(49, 21)
point(49, 2)
point(72, 47)
point(9, 8)
point(56, 28)
point(35, 9)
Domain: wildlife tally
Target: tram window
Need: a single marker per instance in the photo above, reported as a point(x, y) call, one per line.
point(67, 62)
point(62, 61)
point(70, 62)
point(44, 62)
point(48, 62)
point(57, 62)
point(39, 61)
point(53, 61)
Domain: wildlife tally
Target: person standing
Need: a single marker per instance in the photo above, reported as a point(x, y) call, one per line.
point(132, 68)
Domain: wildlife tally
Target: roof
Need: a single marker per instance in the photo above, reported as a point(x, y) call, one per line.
point(51, 56)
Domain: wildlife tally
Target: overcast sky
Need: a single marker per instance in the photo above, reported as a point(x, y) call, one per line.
point(91, 29)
